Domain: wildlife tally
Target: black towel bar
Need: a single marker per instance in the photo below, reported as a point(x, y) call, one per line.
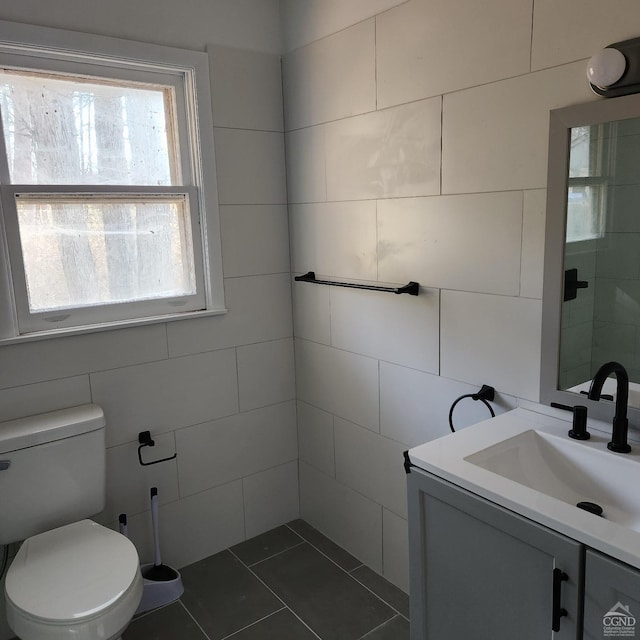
point(412, 288)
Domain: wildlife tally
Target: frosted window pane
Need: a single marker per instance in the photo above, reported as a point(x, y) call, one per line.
point(108, 250)
point(580, 152)
point(64, 130)
point(584, 213)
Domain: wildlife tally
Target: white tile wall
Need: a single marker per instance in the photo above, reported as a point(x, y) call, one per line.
point(395, 551)
point(401, 329)
point(347, 517)
point(271, 498)
point(340, 382)
point(610, 291)
point(65, 357)
point(626, 199)
point(423, 239)
point(385, 154)
point(332, 78)
point(311, 313)
point(414, 406)
point(255, 239)
point(197, 526)
point(500, 143)
point(479, 346)
point(372, 465)
point(334, 239)
point(162, 396)
point(626, 152)
point(533, 225)
point(266, 373)
point(246, 89)
point(455, 154)
point(313, 19)
point(250, 24)
point(32, 399)
point(259, 310)
point(618, 256)
point(128, 483)
point(563, 32)
point(315, 438)
point(216, 452)
point(611, 343)
point(429, 47)
point(250, 166)
point(582, 308)
point(306, 178)
point(576, 347)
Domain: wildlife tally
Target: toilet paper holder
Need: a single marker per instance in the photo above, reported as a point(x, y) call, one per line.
point(145, 440)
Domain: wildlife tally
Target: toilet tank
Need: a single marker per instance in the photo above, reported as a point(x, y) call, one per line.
point(52, 470)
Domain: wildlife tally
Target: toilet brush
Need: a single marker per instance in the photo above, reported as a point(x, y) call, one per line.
point(122, 523)
point(158, 572)
point(162, 583)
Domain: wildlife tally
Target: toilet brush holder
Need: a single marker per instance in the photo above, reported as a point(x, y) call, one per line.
point(162, 584)
point(157, 593)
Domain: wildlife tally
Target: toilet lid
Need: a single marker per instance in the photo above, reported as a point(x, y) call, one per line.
point(73, 572)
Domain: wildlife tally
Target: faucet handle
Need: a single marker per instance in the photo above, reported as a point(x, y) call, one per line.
point(579, 429)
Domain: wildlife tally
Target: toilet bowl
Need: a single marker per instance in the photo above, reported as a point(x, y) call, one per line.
point(81, 581)
point(72, 579)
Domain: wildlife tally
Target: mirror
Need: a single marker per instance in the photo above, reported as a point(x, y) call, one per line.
point(591, 299)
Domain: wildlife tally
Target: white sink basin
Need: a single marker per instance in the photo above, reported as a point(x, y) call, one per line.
point(563, 469)
point(523, 460)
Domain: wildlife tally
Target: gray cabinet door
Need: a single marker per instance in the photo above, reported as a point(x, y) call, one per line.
point(481, 572)
point(611, 598)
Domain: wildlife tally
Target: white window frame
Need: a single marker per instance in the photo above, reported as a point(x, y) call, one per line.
point(58, 51)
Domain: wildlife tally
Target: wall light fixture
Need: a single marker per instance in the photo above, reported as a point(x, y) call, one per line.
point(615, 71)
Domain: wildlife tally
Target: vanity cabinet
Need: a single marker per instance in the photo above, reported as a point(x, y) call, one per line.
point(488, 563)
point(480, 571)
point(609, 584)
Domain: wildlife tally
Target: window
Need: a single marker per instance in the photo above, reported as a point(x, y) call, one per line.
point(590, 166)
point(107, 183)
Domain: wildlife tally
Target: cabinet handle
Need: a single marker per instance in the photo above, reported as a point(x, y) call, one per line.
point(558, 612)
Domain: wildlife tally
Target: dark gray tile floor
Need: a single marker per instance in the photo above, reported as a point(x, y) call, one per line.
point(291, 583)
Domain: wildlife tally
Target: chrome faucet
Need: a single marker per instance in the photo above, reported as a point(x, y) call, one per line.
point(620, 423)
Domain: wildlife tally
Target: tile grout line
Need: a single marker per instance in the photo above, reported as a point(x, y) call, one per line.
point(253, 564)
point(257, 577)
point(376, 628)
point(381, 598)
point(194, 620)
point(273, 613)
point(349, 573)
point(144, 614)
point(323, 553)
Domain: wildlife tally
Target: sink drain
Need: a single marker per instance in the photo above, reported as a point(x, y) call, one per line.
point(591, 507)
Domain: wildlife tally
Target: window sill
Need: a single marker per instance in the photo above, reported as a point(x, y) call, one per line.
point(109, 326)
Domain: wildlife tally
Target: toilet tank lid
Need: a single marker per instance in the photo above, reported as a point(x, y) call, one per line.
point(48, 427)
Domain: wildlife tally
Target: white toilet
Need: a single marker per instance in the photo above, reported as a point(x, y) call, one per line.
point(72, 578)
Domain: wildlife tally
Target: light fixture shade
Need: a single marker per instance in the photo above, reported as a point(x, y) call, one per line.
point(615, 71)
point(606, 67)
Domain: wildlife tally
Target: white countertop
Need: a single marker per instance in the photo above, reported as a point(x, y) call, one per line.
point(445, 458)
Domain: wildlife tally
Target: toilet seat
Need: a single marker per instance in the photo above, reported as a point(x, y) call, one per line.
point(77, 581)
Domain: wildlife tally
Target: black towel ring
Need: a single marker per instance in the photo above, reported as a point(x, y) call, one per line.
point(485, 394)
